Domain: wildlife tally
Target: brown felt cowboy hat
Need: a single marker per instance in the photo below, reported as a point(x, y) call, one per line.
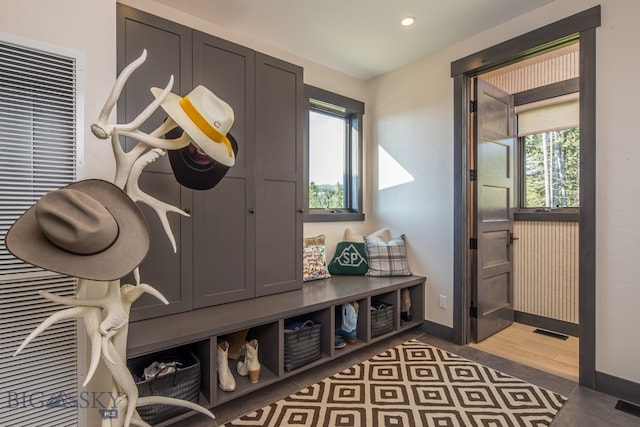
point(89, 229)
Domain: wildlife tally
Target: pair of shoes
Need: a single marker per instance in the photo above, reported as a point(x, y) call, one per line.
point(250, 365)
point(226, 382)
point(405, 305)
point(350, 337)
point(348, 331)
point(339, 343)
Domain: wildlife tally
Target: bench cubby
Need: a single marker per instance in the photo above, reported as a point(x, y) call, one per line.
point(265, 317)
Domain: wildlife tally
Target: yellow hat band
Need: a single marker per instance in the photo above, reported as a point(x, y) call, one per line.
point(202, 124)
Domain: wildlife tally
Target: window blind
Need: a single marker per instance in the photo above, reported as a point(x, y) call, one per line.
point(38, 153)
point(561, 112)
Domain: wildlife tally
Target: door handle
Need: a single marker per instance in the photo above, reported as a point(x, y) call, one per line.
point(512, 238)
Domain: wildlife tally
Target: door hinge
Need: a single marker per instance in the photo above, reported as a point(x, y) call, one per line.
point(473, 106)
point(473, 175)
point(473, 243)
point(473, 312)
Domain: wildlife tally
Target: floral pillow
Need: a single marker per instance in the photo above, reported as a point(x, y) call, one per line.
point(314, 261)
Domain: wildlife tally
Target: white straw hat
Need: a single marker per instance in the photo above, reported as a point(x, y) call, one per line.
point(206, 118)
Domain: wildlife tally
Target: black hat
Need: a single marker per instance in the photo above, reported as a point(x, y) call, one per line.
point(196, 170)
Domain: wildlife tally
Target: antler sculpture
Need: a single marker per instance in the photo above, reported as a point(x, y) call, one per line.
point(106, 319)
point(134, 159)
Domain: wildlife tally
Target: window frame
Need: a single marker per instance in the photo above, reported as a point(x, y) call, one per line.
point(536, 214)
point(353, 112)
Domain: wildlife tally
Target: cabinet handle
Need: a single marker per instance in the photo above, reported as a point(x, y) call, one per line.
point(252, 211)
point(301, 210)
point(187, 210)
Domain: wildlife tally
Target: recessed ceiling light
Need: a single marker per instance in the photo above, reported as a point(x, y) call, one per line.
point(408, 21)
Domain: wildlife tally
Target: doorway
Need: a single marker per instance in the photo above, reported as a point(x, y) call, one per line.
point(582, 26)
point(524, 211)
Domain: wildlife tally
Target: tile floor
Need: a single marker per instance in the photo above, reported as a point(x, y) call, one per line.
point(585, 407)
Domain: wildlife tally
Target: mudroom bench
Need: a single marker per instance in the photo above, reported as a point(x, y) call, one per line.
point(319, 301)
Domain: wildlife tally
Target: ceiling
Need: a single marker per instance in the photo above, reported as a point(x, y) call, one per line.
point(361, 38)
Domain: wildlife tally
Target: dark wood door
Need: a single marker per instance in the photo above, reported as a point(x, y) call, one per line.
point(224, 216)
point(494, 202)
point(279, 118)
point(168, 53)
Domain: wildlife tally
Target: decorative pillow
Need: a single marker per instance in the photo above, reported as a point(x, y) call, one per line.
point(387, 258)
point(314, 261)
point(349, 259)
point(383, 234)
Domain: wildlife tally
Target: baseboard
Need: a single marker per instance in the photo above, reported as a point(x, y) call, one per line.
point(554, 325)
point(437, 330)
point(618, 387)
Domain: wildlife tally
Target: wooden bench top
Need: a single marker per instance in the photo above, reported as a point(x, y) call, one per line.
point(169, 331)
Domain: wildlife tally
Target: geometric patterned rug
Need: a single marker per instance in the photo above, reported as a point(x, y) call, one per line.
point(413, 384)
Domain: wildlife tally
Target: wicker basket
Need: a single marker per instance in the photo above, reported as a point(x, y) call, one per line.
point(301, 346)
point(382, 315)
point(184, 383)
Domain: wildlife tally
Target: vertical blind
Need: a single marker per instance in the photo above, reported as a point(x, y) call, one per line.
point(38, 153)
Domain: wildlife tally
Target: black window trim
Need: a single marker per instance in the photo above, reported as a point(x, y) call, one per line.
point(353, 191)
point(542, 214)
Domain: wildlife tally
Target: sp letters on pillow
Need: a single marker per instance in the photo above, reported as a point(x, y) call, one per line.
point(349, 259)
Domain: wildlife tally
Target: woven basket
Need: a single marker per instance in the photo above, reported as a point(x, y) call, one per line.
point(381, 319)
point(184, 383)
point(302, 346)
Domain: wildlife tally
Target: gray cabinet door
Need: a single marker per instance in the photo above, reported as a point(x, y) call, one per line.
point(279, 118)
point(168, 48)
point(223, 217)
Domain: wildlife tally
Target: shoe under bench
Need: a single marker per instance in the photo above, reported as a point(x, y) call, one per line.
point(319, 301)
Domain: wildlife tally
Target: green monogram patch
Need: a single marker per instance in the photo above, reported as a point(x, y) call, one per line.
point(349, 259)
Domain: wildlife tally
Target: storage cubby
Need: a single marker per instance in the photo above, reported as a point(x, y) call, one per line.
point(322, 317)
point(417, 307)
point(268, 356)
point(192, 362)
point(361, 328)
point(390, 300)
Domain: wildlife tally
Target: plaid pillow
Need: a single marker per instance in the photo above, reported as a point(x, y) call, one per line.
point(387, 259)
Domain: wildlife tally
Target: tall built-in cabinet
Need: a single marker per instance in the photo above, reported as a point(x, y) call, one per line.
point(244, 237)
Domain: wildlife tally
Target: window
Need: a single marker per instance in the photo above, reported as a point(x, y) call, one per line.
point(40, 141)
point(333, 190)
point(549, 146)
point(551, 165)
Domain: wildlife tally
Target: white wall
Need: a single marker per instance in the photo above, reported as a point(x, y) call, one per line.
point(412, 116)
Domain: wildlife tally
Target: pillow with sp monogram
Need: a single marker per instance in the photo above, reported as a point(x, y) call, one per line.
point(349, 259)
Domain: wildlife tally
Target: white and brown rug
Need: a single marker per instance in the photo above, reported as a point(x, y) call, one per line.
point(413, 384)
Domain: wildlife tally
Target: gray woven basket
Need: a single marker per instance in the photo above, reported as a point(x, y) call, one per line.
point(302, 346)
point(382, 315)
point(184, 383)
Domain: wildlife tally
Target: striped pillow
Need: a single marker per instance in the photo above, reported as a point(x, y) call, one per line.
point(387, 258)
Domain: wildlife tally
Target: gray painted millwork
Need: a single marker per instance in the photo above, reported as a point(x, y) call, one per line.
point(244, 237)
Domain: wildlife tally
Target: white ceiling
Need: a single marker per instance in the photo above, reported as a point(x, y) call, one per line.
point(361, 38)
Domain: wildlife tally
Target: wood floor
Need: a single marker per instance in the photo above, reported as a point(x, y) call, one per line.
point(520, 344)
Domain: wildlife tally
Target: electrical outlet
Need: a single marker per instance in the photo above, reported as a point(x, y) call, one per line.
point(443, 301)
